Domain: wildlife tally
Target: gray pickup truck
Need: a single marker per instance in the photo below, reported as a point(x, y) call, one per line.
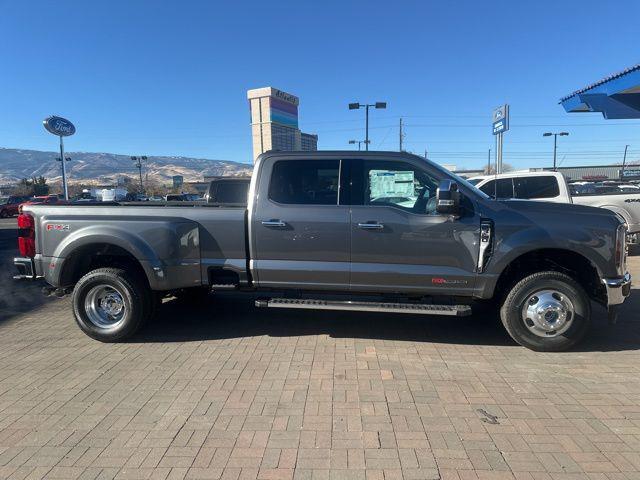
point(334, 230)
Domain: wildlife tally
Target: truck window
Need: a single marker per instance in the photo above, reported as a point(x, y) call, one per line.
point(305, 182)
point(536, 187)
point(399, 185)
point(503, 190)
point(231, 192)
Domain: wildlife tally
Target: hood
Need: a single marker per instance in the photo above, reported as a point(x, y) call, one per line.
point(552, 208)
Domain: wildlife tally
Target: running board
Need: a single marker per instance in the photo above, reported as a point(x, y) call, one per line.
point(223, 286)
point(415, 308)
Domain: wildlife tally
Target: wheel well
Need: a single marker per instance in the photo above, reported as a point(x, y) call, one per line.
point(565, 261)
point(97, 255)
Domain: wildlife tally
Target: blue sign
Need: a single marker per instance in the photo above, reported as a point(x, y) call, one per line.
point(501, 119)
point(59, 126)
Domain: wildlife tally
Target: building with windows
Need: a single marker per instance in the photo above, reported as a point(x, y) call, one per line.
point(274, 122)
point(308, 142)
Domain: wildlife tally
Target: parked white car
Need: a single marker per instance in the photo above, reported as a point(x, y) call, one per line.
point(553, 187)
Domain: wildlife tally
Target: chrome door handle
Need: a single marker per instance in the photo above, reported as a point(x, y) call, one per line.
point(371, 226)
point(274, 223)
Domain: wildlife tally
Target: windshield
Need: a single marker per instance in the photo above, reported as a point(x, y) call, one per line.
point(4, 200)
point(475, 181)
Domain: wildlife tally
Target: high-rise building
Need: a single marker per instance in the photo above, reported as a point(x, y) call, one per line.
point(308, 142)
point(274, 122)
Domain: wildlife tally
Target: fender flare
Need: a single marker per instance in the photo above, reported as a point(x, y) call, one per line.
point(100, 234)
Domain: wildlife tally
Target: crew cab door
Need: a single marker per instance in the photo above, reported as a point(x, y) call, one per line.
point(399, 243)
point(300, 232)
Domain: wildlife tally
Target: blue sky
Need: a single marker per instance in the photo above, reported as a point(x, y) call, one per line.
point(170, 78)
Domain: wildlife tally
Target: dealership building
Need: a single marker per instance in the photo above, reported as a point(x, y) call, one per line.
point(274, 122)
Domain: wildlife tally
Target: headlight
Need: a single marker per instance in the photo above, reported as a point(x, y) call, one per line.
point(621, 249)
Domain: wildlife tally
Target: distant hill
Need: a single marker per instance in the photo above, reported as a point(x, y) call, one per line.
point(104, 168)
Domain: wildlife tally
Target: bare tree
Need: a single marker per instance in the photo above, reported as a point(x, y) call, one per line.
point(491, 169)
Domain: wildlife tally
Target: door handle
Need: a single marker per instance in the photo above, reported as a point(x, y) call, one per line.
point(274, 223)
point(371, 226)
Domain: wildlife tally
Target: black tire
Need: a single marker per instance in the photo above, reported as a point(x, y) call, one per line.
point(4, 214)
point(574, 330)
point(132, 294)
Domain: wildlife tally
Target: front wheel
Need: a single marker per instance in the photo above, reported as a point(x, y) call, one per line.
point(109, 304)
point(547, 312)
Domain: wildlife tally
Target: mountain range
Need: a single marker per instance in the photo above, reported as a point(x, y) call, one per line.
point(105, 168)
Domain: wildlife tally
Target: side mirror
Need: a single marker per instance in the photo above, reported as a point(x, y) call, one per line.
point(448, 198)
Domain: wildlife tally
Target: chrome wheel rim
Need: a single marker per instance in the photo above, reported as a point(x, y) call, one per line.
point(105, 306)
point(548, 313)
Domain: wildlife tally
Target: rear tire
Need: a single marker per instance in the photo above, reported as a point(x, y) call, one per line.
point(4, 214)
point(547, 312)
point(110, 304)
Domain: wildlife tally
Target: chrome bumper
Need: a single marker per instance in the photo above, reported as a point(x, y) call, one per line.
point(618, 289)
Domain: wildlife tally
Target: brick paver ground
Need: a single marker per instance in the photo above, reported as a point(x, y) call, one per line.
point(223, 391)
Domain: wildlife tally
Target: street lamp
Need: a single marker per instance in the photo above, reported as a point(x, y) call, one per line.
point(359, 142)
point(555, 144)
point(624, 162)
point(356, 106)
point(138, 165)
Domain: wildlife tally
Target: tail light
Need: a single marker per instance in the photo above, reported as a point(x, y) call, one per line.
point(26, 235)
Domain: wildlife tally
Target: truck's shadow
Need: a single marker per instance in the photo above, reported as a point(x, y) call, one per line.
point(16, 297)
point(228, 316)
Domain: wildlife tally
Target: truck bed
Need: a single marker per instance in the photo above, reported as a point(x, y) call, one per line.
point(184, 241)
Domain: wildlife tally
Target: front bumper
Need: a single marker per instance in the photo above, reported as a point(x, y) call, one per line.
point(618, 289)
point(26, 268)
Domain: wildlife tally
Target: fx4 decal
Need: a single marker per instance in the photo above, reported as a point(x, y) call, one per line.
point(57, 227)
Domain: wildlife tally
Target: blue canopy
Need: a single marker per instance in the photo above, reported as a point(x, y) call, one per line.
point(616, 96)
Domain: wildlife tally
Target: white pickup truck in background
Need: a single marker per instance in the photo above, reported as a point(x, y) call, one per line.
point(553, 187)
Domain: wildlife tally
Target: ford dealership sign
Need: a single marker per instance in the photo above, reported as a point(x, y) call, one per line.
point(59, 126)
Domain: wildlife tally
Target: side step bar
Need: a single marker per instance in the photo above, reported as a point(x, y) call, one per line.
point(415, 308)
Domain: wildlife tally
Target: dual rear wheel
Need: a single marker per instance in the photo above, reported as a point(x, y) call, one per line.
point(110, 304)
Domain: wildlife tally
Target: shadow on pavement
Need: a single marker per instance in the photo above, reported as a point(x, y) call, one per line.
point(16, 297)
point(226, 316)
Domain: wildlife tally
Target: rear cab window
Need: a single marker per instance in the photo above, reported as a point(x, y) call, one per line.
point(305, 182)
point(503, 189)
point(536, 187)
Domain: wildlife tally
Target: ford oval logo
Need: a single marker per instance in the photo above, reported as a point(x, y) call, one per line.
point(59, 126)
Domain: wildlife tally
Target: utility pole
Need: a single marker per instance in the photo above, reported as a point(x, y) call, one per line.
point(401, 134)
point(425, 153)
point(624, 161)
point(489, 163)
point(138, 165)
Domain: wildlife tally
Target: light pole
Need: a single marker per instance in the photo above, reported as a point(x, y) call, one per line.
point(65, 189)
point(359, 142)
point(356, 106)
point(555, 144)
point(138, 165)
point(624, 162)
